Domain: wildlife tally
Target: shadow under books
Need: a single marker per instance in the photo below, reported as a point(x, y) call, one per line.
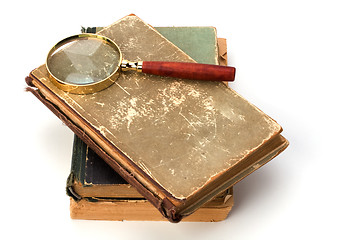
point(253, 188)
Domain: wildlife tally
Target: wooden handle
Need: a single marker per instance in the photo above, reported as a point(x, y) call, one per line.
point(195, 71)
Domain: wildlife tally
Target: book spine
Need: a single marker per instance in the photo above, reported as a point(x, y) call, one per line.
point(77, 168)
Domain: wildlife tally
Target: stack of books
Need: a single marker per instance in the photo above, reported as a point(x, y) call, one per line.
point(156, 148)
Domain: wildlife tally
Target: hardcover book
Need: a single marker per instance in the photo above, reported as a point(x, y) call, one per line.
point(179, 142)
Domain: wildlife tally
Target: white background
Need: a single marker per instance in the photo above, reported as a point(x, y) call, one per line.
point(285, 55)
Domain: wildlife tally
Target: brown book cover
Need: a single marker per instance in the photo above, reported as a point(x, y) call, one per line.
point(179, 142)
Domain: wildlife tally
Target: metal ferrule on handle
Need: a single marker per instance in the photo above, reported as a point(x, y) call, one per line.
point(131, 66)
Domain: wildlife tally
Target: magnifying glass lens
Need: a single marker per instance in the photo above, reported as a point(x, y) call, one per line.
point(83, 61)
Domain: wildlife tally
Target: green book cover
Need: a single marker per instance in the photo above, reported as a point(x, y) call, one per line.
point(89, 173)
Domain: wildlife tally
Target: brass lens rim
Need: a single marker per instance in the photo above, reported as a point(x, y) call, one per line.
point(84, 88)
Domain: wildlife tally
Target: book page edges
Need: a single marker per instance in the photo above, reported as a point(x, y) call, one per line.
point(140, 211)
point(278, 144)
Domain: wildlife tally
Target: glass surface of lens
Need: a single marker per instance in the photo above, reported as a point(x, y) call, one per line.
point(84, 61)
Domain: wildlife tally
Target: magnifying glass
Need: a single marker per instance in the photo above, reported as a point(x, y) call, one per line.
point(88, 63)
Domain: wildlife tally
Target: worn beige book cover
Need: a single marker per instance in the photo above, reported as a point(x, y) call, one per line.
point(179, 142)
